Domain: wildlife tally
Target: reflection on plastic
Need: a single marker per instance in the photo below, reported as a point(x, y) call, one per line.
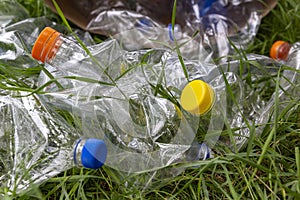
point(11, 12)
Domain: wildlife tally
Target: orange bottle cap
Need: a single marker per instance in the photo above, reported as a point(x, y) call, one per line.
point(43, 46)
point(280, 50)
point(197, 97)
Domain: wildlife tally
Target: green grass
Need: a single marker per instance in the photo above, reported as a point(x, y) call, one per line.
point(268, 168)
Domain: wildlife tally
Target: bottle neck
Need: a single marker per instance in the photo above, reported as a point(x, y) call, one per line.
point(77, 152)
point(64, 50)
point(50, 50)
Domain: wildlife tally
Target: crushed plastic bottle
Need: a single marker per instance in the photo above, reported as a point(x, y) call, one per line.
point(215, 20)
point(36, 144)
point(116, 99)
point(28, 30)
point(15, 18)
point(17, 40)
point(289, 56)
point(131, 100)
point(249, 95)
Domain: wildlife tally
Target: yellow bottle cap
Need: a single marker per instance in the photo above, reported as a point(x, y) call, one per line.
point(197, 97)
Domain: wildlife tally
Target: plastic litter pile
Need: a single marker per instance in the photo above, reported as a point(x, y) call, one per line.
point(146, 98)
point(213, 20)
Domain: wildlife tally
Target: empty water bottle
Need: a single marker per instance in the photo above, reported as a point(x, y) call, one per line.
point(132, 99)
point(36, 144)
point(248, 84)
point(289, 56)
point(129, 99)
point(215, 20)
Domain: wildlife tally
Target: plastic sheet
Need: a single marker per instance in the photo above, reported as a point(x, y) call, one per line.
point(215, 20)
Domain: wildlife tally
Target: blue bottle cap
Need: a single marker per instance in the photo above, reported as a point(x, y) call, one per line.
point(93, 153)
point(206, 6)
point(177, 34)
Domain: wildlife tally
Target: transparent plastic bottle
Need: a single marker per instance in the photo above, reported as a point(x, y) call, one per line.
point(143, 127)
point(236, 20)
point(37, 143)
point(289, 56)
point(137, 106)
point(239, 116)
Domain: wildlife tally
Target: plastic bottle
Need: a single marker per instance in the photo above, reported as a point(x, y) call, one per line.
point(289, 55)
point(214, 20)
point(133, 101)
point(15, 18)
point(36, 143)
point(114, 94)
point(248, 94)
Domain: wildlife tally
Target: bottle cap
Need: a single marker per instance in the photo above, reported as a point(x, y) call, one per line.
point(177, 34)
point(197, 97)
point(43, 46)
point(93, 153)
point(280, 50)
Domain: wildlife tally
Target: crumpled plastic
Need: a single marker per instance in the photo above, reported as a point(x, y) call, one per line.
point(11, 12)
point(48, 135)
point(289, 92)
point(142, 129)
point(213, 20)
point(135, 114)
point(33, 137)
point(35, 142)
point(15, 49)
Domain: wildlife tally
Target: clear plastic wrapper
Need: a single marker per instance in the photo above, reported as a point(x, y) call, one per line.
point(215, 20)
